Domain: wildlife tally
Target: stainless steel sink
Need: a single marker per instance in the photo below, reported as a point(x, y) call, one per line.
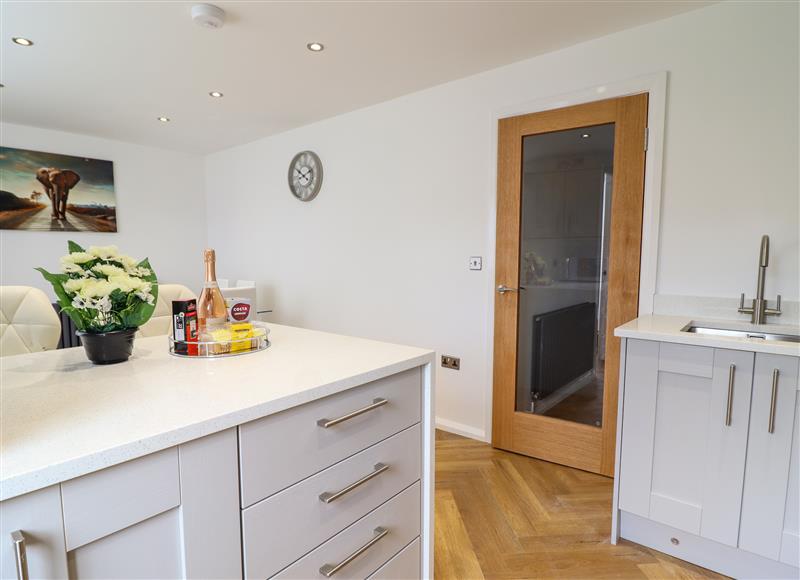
point(741, 333)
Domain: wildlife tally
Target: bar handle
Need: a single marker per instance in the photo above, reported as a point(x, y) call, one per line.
point(18, 538)
point(774, 400)
point(325, 423)
point(729, 408)
point(329, 570)
point(328, 496)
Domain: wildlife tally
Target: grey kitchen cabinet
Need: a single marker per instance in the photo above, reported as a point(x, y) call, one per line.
point(707, 439)
point(170, 514)
point(32, 533)
point(287, 494)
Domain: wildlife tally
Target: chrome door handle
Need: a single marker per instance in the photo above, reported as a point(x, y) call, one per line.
point(329, 570)
point(773, 400)
point(325, 423)
point(328, 496)
point(502, 289)
point(729, 408)
point(18, 538)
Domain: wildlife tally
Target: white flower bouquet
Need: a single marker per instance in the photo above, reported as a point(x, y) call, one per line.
point(104, 291)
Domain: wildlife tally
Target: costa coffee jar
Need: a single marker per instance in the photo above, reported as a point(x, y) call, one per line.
point(239, 309)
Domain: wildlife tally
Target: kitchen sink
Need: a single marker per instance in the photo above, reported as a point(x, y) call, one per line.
point(710, 330)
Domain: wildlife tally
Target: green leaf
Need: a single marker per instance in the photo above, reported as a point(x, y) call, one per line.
point(73, 247)
point(57, 280)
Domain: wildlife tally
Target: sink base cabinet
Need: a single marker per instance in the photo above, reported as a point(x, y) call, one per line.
point(705, 444)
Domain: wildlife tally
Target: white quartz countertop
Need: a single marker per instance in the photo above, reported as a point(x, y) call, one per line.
point(669, 329)
point(62, 417)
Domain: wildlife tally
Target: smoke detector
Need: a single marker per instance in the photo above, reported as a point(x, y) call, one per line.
point(208, 15)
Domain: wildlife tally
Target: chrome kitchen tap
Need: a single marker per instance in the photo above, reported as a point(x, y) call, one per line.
point(758, 309)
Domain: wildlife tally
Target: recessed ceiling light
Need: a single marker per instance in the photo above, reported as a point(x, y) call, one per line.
point(21, 41)
point(215, 94)
point(164, 119)
point(315, 47)
point(585, 136)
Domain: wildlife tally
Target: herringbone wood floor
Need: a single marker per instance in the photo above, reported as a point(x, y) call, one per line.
point(502, 515)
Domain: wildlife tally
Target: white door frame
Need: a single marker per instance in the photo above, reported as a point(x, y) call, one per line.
point(654, 84)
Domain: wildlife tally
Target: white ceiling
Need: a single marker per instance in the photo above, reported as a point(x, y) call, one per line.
point(110, 68)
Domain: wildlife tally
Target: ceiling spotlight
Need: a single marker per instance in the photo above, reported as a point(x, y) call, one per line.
point(22, 41)
point(215, 94)
point(315, 47)
point(585, 136)
point(164, 119)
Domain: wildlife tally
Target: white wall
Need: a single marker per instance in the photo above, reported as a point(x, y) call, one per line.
point(408, 194)
point(160, 209)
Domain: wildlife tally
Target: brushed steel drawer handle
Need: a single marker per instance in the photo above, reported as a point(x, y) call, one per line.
point(18, 538)
point(328, 496)
point(729, 409)
point(329, 570)
point(325, 423)
point(774, 400)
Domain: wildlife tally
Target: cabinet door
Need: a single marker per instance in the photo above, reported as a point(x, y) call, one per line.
point(682, 463)
point(768, 454)
point(728, 420)
point(37, 516)
point(171, 514)
point(790, 545)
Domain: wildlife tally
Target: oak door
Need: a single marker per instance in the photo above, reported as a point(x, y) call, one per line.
point(569, 225)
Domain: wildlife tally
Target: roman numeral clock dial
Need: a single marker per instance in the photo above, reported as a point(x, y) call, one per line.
point(305, 175)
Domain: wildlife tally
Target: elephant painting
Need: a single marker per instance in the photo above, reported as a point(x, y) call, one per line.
point(57, 185)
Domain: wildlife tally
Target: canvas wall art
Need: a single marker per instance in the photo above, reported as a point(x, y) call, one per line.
point(52, 192)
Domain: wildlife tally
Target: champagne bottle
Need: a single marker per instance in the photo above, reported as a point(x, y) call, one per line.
point(211, 310)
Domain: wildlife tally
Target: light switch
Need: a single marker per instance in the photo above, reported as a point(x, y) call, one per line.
point(475, 263)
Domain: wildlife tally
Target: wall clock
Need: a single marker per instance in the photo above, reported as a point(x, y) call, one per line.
point(305, 175)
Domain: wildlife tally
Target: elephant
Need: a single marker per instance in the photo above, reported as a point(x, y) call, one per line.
point(57, 184)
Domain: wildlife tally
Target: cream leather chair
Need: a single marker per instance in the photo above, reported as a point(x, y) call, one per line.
point(161, 321)
point(28, 322)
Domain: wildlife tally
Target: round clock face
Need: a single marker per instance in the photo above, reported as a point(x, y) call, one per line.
point(305, 175)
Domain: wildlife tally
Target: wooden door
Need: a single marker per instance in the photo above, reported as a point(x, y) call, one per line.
point(585, 446)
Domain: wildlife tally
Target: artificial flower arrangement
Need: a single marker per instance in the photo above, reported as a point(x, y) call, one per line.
point(104, 293)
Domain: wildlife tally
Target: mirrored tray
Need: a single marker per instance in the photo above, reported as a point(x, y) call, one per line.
point(222, 348)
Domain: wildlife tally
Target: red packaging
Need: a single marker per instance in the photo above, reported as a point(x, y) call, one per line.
point(239, 309)
point(184, 326)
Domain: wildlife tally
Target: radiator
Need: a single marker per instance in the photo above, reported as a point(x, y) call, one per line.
point(68, 337)
point(563, 347)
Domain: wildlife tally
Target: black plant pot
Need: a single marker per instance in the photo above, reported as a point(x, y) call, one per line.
point(105, 348)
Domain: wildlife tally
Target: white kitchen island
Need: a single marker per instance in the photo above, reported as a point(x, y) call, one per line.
point(251, 466)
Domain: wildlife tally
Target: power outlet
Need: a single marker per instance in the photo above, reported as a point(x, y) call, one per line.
point(451, 362)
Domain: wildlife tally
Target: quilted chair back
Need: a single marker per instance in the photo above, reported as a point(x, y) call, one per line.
point(161, 321)
point(28, 322)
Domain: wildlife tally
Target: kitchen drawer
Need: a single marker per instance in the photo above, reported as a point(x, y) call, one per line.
point(301, 447)
point(109, 500)
point(381, 534)
point(280, 529)
point(404, 566)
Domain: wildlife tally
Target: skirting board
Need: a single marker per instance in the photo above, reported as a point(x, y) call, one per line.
point(461, 429)
point(701, 551)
